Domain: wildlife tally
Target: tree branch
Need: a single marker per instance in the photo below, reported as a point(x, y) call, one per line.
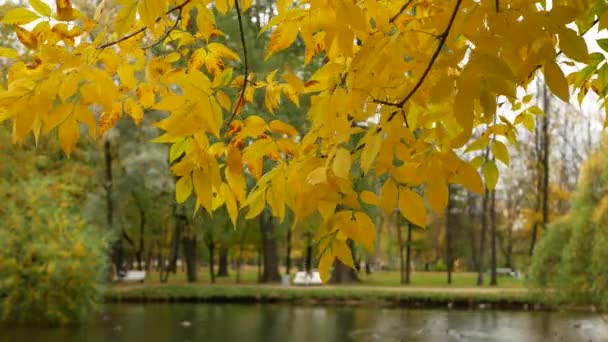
point(246, 64)
point(401, 10)
point(143, 29)
point(442, 39)
point(168, 32)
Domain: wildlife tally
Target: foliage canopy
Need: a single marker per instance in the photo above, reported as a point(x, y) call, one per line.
point(398, 91)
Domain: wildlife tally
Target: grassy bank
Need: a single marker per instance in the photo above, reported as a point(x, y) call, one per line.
point(428, 289)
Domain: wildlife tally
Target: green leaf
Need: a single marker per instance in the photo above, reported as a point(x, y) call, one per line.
point(603, 43)
point(19, 16)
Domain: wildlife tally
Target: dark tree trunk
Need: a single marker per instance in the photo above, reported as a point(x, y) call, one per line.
point(288, 252)
point(180, 225)
point(493, 279)
point(471, 203)
point(116, 256)
point(342, 274)
point(260, 256)
point(191, 257)
point(482, 237)
point(542, 179)
point(448, 237)
point(270, 252)
point(222, 270)
point(211, 248)
point(400, 242)
point(142, 224)
point(308, 263)
point(408, 253)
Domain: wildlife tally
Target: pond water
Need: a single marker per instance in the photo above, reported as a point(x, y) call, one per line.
point(270, 323)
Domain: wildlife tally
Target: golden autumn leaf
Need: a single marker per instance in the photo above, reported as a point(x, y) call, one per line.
point(556, 80)
point(65, 11)
point(282, 37)
point(412, 207)
point(19, 16)
point(341, 163)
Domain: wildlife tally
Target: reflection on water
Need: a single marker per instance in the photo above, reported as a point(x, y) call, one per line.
point(269, 323)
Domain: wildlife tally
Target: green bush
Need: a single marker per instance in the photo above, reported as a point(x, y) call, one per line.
point(440, 266)
point(51, 261)
point(572, 257)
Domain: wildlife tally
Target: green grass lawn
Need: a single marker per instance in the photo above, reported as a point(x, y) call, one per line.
point(380, 278)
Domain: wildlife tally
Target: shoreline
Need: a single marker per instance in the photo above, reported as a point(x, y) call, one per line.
point(403, 297)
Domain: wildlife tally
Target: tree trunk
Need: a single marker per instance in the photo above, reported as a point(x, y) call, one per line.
point(471, 204)
point(288, 252)
point(482, 237)
point(180, 225)
point(545, 166)
point(308, 262)
point(400, 242)
point(342, 274)
point(191, 257)
point(116, 245)
point(493, 279)
point(408, 253)
point(142, 224)
point(270, 253)
point(211, 248)
point(448, 238)
point(222, 270)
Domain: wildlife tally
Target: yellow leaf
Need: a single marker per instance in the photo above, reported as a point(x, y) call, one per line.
point(412, 207)
point(370, 151)
point(281, 127)
point(490, 173)
point(437, 194)
point(19, 16)
point(150, 10)
point(256, 202)
point(467, 176)
point(230, 201)
point(341, 251)
point(234, 173)
point(145, 94)
point(282, 37)
point(41, 7)
point(222, 6)
point(317, 176)
point(369, 198)
point(573, 45)
point(202, 187)
point(246, 4)
point(499, 150)
point(325, 263)
point(64, 10)
point(221, 50)
point(341, 164)
point(223, 99)
point(8, 53)
point(26, 38)
point(183, 188)
point(554, 76)
point(367, 231)
point(69, 132)
point(388, 196)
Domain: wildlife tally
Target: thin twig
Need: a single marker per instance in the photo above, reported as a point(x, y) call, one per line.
point(401, 10)
point(246, 64)
point(443, 38)
point(143, 29)
point(167, 33)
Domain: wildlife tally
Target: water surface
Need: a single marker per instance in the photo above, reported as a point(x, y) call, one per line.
point(270, 323)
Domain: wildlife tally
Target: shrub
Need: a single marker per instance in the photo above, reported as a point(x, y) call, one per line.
point(51, 261)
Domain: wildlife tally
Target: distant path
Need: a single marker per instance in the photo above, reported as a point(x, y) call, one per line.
point(366, 288)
